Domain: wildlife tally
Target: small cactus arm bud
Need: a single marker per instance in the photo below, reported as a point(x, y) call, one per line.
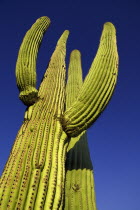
point(98, 86)
point(26, 61)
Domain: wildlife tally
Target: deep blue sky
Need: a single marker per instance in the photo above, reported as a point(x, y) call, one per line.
point(114, 139)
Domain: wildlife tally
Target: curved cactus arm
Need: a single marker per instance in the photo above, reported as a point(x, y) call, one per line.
point(26, 61)
point(79, 188)
point(98, 85)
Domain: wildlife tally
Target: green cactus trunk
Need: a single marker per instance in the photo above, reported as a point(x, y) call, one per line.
point(54, 128)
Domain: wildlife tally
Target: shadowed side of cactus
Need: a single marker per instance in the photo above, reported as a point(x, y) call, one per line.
point(98, 86)
point(79, 184)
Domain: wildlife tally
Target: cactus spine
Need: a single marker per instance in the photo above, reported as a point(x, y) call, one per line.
point(34, 175)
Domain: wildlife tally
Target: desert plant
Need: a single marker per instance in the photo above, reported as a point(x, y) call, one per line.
point(55, 123)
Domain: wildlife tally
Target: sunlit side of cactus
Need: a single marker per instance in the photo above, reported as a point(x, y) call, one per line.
point(54, 125)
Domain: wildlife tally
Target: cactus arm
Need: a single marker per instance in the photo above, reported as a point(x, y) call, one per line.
point(26, 62)
point(78, 191)
point(74, 84)
point(57, 72)
point(98, 85)
point(32, 190)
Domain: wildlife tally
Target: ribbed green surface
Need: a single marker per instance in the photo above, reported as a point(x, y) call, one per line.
point(79, 192)
point(75, 81)
point(31, 175)
point(34, 175)
point(26, 62)
point(79, 185)
point(98, 86)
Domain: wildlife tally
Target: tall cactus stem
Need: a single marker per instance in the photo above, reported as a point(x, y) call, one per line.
point(45, 186)
point(78, 193)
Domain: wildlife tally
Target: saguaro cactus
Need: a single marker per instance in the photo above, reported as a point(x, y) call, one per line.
point(55, 122)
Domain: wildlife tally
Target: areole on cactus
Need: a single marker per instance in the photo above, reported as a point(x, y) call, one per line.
point(49, 166)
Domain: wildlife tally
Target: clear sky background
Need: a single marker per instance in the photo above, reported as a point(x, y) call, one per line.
point(114, 139)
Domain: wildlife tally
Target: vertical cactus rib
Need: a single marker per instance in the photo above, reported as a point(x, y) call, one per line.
point(59, 196)
point(26, 62)
point(64, 140)
point(98, 85)
point(34, 181)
